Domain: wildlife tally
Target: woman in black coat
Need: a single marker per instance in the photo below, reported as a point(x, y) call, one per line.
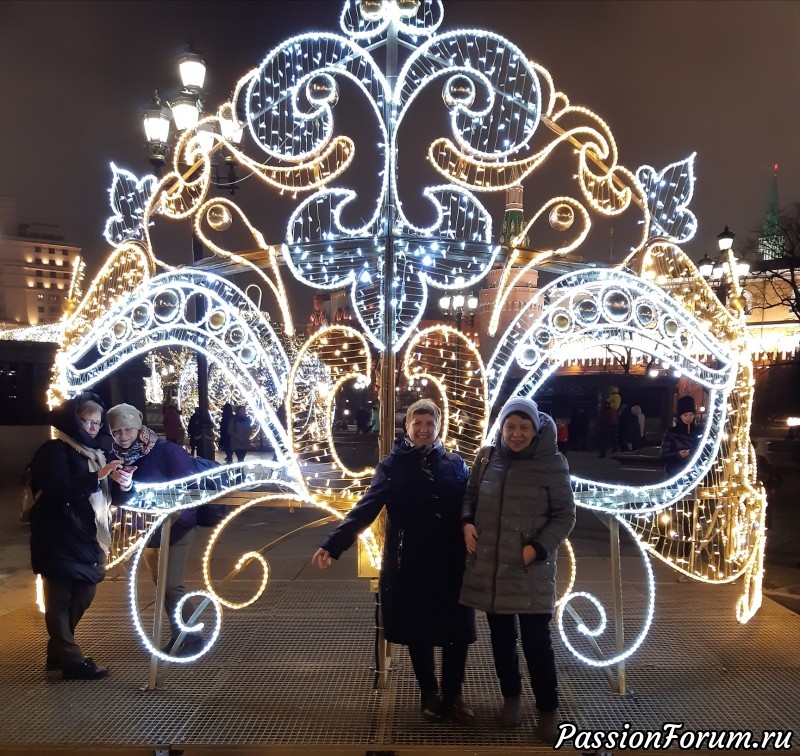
point(224, 433)
point(681, 440)
point(422, 487)
point(70, 534)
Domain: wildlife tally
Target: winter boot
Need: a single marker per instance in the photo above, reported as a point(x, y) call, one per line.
point(511, 712)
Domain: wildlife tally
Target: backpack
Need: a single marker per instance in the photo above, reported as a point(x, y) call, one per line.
point(210, 515)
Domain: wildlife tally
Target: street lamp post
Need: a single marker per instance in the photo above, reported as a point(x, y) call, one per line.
point(184, 111)
point(726, 271)
point(457, 306)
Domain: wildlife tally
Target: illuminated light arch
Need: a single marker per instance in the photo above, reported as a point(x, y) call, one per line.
point(233, 333)
point(498, 102)
point(668, 312)
point(607, 307)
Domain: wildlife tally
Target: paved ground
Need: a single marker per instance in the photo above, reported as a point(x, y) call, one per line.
point(294, 672)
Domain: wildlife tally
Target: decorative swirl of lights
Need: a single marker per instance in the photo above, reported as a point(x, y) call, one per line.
point(506, 118)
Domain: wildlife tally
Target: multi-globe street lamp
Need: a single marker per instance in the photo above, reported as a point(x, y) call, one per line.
point(726, 269)
point(185, 111)
point(457, 306)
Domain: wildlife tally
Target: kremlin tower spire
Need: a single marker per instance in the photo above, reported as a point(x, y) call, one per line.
point(770, 243)
point(514, 217)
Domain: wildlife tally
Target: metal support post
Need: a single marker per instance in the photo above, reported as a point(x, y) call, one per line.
point(161, 592)
point(388, 358)
point(206, 446)
point(616, 588)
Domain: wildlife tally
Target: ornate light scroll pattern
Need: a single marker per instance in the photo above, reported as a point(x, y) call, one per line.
point(506, 118)
point(450, 361)
point(715, 532)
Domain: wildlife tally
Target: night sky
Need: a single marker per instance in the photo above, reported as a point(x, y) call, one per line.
point(720, 78)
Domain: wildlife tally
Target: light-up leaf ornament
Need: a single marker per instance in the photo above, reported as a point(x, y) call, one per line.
point(129, 199)
point(669, 192)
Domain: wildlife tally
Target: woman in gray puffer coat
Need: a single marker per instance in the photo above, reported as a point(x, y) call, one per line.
point(518, 509)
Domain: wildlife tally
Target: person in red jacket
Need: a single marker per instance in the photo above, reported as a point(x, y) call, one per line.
point(172, 422)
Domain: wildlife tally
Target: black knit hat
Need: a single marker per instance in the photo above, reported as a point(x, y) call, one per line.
point(685, 404)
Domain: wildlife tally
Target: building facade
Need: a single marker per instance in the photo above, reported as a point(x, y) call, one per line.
point(36, 267)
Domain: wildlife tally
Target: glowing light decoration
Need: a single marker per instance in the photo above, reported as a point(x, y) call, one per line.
point(352, 227)
point(668, 195)
point(129, 199)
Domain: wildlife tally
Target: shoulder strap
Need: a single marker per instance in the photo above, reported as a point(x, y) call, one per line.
point(484, 457)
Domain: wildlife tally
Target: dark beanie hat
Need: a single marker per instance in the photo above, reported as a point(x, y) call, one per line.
point(685, 404)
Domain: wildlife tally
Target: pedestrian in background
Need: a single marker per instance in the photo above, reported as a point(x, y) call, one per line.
point(608, 430)
point(172, 422)
point(224, 432)
point(518, 509)
point(148, 459)
point(195, 431)
point(628, 429)
point(682, 439)
point(240, 429)
point(640, 439)
point(70, 535)
point(421, 486)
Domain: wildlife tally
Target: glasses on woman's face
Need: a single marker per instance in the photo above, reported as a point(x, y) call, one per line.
point(91, 424)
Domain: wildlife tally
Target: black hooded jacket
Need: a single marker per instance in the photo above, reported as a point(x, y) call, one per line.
point(63, 530)
point(676, 439)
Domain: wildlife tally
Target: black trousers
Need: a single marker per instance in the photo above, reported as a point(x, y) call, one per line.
point(454, 662)
point(65, 601)
point(539, 656)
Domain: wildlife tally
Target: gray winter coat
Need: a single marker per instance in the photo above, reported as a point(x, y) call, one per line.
point(521, 498)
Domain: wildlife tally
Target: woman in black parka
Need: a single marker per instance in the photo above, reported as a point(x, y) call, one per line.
point(422, 487)
point(682, 439)
point(70, 534)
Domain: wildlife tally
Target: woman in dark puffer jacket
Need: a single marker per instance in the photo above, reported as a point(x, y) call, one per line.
point(518, 509)
point(70, 534)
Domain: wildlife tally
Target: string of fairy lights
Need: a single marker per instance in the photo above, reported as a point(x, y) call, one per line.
point(506, 118)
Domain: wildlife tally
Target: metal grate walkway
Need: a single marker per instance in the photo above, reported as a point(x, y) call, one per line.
point(293, 673)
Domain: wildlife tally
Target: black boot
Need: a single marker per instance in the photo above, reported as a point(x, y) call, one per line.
point(86, 670)
point(431, 705)
point(458, 711)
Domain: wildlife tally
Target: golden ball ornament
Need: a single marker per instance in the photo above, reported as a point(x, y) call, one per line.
point(219, 217)
point(407, 8)
point(458, 90)
point(217, 319)
point(372, 10)
point(561, 217)
point(323, 89)
point(738, 302)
